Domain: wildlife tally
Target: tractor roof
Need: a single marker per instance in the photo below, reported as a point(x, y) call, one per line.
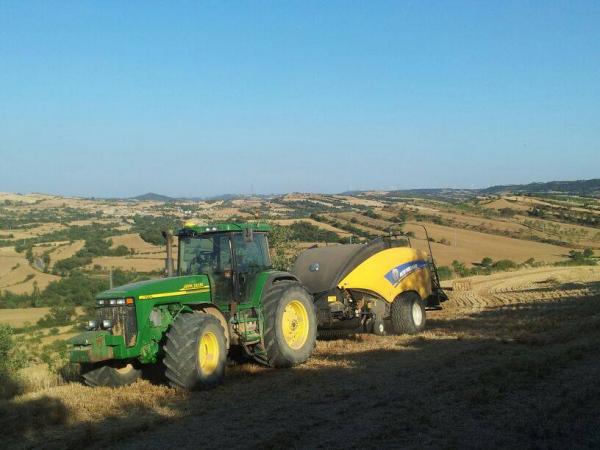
point(223, 227)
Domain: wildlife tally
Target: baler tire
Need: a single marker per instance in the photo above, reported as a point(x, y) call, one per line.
point(408, 313)
point(379, 327)
point(106, 375)
point(283, 297)
point(189, 340)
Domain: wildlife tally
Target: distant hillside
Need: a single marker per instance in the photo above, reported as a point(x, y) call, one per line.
point(151, 196)
point(585, 188)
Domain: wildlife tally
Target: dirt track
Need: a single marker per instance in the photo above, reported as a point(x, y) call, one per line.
point(512, 364)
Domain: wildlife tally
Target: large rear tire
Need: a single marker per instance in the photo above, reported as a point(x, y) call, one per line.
point(290, 325)
point(408, 313)
point(195, 352)
point(112, 374)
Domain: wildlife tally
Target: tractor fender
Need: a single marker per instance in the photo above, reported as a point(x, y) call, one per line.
point(278, 277)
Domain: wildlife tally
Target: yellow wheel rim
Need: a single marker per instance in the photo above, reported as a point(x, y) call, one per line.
point(208, 353)
point(294, 324)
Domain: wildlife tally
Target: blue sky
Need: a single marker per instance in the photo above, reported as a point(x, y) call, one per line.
point(203, 98)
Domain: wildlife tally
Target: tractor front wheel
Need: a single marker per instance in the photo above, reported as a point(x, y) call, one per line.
point(408, 313)
point(195, 352)
point(290, 325)
point(113, 374)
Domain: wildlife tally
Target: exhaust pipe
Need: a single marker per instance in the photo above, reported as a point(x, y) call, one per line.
point(168, 235)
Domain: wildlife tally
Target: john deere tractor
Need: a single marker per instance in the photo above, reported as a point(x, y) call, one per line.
point(223, 295)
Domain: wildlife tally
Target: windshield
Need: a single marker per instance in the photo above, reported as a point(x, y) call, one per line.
point(251, 255)
point(204, 254)
point(211, 253)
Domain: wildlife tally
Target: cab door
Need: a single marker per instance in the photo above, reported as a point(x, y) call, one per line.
point(222, 276)
point(251, 257)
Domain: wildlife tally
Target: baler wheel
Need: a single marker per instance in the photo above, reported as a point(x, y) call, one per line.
point(110, 375)
point(290, 324)
point(408, 313)
point(195, 352)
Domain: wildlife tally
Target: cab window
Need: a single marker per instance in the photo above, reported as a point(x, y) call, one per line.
point(251, 255)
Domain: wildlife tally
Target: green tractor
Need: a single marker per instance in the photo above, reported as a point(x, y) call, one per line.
point(224, 297)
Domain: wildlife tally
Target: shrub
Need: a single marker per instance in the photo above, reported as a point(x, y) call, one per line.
point(444, 272)
point(58, 315)
point(283, 247)
point(55, 356)
point(504, 264)
point(460, 269)
point(11, 360)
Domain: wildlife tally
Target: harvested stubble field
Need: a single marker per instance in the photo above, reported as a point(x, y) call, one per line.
point(18, 317)
point(17, 275)
point(471, 246)
point(514, 363)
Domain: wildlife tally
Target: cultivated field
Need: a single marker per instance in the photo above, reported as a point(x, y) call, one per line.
point(512, 363)
point(471, 246)
point(17, 317)
point(17, 275)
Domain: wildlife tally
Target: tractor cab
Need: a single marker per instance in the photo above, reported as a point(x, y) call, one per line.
point(231, 255)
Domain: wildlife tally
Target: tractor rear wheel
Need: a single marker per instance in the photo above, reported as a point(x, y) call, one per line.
point(195, 352)
point(290, 325)
point(113, 374)
point(408, 313)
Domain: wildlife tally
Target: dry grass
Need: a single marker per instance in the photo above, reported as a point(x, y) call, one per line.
point(135, 242)
point(323, 226)
point(515, 374)
point(140, 264)
point(65, 251)
point(502, 203)
point(17, 317)
point(471, 246)
point(16, 275)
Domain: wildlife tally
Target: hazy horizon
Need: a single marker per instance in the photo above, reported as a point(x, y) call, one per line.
point(249, 194)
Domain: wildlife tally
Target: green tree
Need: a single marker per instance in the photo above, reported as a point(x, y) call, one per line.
point(11, 360)
point(283, 247)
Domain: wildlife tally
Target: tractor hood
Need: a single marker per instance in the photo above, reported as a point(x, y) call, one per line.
point(159, 288)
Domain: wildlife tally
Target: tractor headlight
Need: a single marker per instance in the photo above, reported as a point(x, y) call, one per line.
point(107, 324)
point(112, 301)
point(120, 301)
point(101, 302)
point(92, 324)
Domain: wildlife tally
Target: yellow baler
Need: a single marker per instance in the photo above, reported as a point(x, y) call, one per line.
point(380, 287)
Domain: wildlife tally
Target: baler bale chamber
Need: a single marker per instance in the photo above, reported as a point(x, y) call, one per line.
point(382, 287)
